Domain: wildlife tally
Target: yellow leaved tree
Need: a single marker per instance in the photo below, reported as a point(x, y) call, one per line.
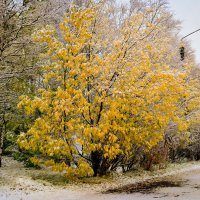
point(100, 97)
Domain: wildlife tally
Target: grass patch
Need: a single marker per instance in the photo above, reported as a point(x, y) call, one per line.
point(54, 179)
point(96, 180)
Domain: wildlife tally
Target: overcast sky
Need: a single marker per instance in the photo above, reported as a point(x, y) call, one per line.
point(188, 11)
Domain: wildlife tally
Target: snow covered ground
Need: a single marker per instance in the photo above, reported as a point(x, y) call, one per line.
point(19, 183)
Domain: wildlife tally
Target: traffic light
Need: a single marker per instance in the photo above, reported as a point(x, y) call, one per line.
point(182, 53)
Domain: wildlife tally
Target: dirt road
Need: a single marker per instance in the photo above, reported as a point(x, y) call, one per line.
point(15, 184)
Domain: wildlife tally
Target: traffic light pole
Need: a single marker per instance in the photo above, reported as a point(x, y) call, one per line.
point(189, 34)
point(182, 49)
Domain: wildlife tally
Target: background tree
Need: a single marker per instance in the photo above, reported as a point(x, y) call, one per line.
point(18, 56)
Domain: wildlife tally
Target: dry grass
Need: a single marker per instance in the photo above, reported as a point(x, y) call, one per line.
point(145, 186)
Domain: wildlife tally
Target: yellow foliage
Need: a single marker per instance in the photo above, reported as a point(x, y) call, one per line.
point(102, 103)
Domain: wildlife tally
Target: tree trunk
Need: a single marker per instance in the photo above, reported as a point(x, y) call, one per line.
point(100, 165)
point(1, 145)
point(96, 158)
point(2, 134)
